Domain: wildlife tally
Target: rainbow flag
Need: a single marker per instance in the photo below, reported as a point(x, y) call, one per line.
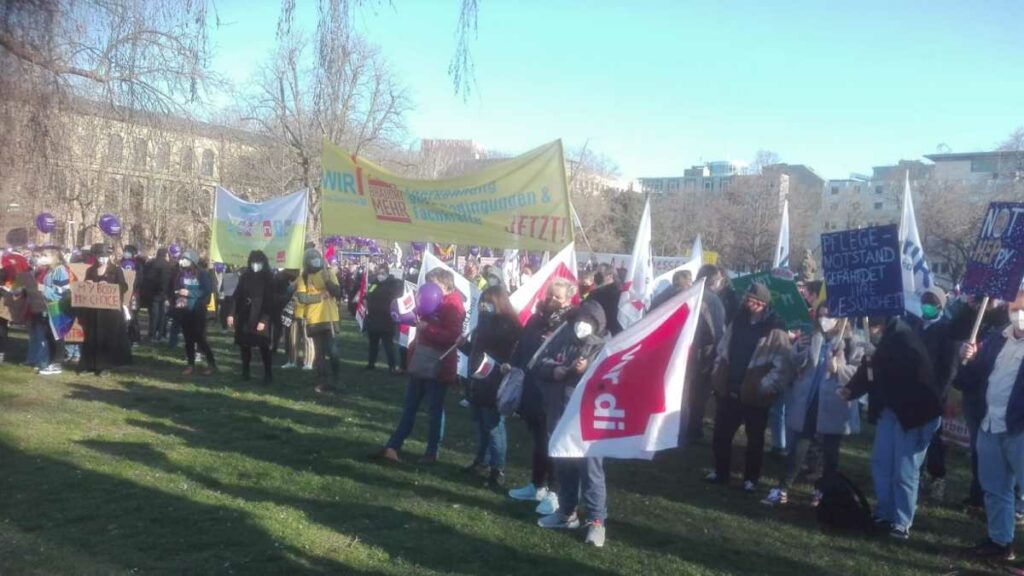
point(60, 318)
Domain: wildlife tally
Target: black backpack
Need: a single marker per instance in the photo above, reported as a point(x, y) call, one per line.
point(843, 506)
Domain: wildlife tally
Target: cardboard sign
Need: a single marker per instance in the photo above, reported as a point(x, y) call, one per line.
point(76, 335)
point(863, 272)
point(996, 265)
point(96, 295)
point(786, 299)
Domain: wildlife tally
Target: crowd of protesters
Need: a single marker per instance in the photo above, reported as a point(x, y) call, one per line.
point(807, 387)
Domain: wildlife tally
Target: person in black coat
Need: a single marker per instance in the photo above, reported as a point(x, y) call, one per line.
point(156, 276)
point(380, 326)
point(250, 313)
point(906, 403)
point(607, 294)
point(106, 344)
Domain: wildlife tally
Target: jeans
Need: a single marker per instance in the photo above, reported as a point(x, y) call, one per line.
point(798, 446)
point(158, 318)
point(586, 475)
point(415, 392)
point(493, 442)
point(777, 421)
point(38, 347)
point(896, 467)
point(387, 339)
point(1000, 468)
point(541, 467)
point(729, 416)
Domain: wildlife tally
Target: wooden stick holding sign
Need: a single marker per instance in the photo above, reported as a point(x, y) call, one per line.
point(977, 324)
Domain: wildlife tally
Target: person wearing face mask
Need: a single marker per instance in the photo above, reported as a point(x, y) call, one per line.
point(379, 326)
point(250, 313)
point(549, 318)
point(995, 366)
point(494, 339)
point(38, 325)
point(436, 334)
point(317, 291)
point(905, 402)
point(193, 287)
point(936, 332)
point(105, 345)
point(752, 369)
point(824, 363)
point(561, 365)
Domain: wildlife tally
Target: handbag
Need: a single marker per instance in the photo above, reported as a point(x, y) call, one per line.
point(425, 362)
point(510, 392)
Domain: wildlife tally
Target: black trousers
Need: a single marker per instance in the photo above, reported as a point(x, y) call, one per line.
point(323, 353)
point(193, 327)
point(542, 469)
point(935, 457)
point(246, 352)
point(729, 416)
point(388, 340)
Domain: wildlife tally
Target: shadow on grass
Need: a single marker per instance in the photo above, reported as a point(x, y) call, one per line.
point(121, 523)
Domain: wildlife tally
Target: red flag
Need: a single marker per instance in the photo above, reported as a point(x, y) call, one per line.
point(628, 403)
point(361, 301)
point(562, 265)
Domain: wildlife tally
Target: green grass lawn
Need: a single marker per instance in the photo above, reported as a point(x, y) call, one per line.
point(149, 472)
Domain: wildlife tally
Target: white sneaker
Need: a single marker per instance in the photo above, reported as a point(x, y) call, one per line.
point(548, 505)
point(464, 403)
point(307, 368)
point(595, 534)
point(749, 486)
point(776, 497)
point(558, 521)
point(50, 370)
point(816, 498)
point(288, 366)
point(528, 493)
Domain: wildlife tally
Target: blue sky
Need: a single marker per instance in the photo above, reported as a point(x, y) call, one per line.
point(661, 85)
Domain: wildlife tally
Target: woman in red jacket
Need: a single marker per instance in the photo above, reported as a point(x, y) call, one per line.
point(435, 335)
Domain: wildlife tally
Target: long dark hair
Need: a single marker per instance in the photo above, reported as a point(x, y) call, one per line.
point(499, 297)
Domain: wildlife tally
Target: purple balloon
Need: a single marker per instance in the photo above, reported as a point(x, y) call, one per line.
point(474, 251)
point(488, 253)
point(428, 299)
point(407, 319)
point(419, 246)
point(46, 222)
point(219, 267)
point(174, 250)
point(110, 225)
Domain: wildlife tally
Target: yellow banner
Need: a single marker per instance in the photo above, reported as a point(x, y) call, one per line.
point(517, 203)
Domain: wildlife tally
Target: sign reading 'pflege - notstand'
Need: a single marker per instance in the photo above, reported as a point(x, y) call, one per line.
point(862, 270)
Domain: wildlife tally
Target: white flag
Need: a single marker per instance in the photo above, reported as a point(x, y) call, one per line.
point(470, 299)
point(510, 269)
point(487, 364)
point(636, 292)
point(696, 260)
point(782, 248)
point(628, 403)
point(562, 265)
point(916, 276)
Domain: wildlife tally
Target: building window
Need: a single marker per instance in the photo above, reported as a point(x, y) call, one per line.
point(983, 165)
point(115, 149)
point(707, 185)
point(163, 156)
point(835, 190)
point(878, 205)
point(140, 151)
point(187, 159)
point(206, 169)
point(878, 189)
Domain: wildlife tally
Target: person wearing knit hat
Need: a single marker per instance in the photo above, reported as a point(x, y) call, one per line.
point(752, 370)
point(191, 288)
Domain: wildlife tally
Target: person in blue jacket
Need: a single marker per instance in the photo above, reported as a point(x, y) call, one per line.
point(191, 290)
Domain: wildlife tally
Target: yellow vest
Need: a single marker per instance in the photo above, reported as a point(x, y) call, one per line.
point(326, 310)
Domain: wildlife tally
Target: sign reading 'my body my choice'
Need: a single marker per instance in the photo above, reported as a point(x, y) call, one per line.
point(997, 262)
point(862, 270)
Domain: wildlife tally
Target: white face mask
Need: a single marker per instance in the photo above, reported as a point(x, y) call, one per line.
point(1017, 317)
point(257, 266)
point(103, 260)
point(184, 263)
point(827, 324)
point(44, 261)
point(382, 277)
point(583, 330)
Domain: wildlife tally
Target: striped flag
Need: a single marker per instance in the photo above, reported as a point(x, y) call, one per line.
point(487, 365)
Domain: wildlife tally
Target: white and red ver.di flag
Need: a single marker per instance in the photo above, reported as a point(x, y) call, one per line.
point(628, 403)
point(562, 265)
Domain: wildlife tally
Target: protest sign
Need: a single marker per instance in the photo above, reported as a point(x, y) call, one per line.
point(521, 202)
point(996, 264)
point(96, 295)
point(786, 299)
point(276, 226)
point(863, 272)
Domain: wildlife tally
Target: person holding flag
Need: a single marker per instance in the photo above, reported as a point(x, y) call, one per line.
point(54, 287)
point(561, 365)
point(494, 339)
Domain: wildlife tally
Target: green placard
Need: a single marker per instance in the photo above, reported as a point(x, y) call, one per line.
point(786, 299)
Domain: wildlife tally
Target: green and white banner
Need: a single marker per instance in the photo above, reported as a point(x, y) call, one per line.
point(276, 226)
